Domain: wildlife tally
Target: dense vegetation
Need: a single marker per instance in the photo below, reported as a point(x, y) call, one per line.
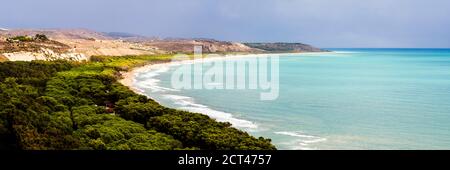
point(68, 105)
point(23, 38)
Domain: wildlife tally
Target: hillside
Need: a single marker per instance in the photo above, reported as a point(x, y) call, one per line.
point(209, 46)
point(284, 47)
point(65, 105)
point(81, 44)
point(77, 44)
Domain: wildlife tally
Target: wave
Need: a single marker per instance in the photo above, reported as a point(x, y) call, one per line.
point(303, 141)
point(150, 84)
point(222, 117)
point(183, 101)
point(147, 81)
point(295, 134)
point(188, 104)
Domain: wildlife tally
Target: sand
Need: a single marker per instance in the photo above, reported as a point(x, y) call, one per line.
point(128, 78)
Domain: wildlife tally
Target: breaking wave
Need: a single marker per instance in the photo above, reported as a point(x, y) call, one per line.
point(147, 82)
point(303, 141)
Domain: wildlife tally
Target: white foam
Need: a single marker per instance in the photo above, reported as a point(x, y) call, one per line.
point(183, 101)
point(303, 148)
point(304, 141)
point(188, 104)
point(176, 97)
point(222, 117)
point(295, 134)
point(154, 88)
point(146, 79)
point(150, 81)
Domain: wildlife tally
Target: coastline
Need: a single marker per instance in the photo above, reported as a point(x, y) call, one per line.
point(129, 78)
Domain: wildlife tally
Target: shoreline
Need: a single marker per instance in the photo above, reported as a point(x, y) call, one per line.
point(129, 78)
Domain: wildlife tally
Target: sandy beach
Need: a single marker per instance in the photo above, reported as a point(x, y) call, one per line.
point(129, 76)
point(129, 80)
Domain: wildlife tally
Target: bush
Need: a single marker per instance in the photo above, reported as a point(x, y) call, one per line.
point(40, 37)
point(20, 39)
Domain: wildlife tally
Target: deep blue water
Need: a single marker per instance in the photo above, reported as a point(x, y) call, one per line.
point(350, 99)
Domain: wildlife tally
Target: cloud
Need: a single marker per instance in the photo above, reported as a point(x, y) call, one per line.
point(324, 23)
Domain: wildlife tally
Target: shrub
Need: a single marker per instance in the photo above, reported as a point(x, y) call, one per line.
point(40, 37)
point(20, 38)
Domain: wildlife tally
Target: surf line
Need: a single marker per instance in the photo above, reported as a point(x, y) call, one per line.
point(228, 74)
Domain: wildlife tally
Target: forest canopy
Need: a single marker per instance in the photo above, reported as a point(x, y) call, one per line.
point(62, 105)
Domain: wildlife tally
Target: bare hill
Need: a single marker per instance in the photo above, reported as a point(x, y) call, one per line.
point(79, 42)
point(208, 46)
point(83, 43)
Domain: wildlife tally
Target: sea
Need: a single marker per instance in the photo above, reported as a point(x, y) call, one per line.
point(344, 99)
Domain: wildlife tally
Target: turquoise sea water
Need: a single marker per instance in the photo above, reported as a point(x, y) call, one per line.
point(350, 99)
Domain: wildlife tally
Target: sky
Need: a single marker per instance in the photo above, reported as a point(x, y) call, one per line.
point(322, 23)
